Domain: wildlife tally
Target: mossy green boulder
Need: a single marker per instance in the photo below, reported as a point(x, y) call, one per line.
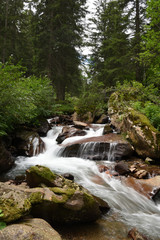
point(134, 126)
point(56, 200)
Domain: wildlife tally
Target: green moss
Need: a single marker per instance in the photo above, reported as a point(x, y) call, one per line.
point(89, 200)
point(36, 197)
point(140, 119)
point(43, 172)
point(60, 198)
point(12, 211)
point(67, 191)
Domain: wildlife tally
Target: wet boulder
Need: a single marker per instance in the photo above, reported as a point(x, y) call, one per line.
point(28, 143)
point(29, 229)
point(6, 160)
point(147, 187)
point(122, 168)
point(110, 146)
point(69, 132)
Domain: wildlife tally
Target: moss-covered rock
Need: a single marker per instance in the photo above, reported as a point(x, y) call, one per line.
point(135, 126)
point(37, 175)
point(57, 200)
point(14, 203)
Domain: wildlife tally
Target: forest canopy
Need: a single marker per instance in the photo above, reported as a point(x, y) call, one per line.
point(41, 54)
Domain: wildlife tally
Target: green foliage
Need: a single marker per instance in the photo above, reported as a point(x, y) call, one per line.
point(2, 224)
point(141, 98)
point(150, 55)
point(91, 100)
point(63, 107)
point(151, 110)
point(22, 99)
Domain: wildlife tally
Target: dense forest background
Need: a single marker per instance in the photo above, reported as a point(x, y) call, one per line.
point(43, 70)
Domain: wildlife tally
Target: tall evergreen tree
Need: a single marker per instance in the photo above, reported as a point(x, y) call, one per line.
point(111, 55)
point(151, 46)
point(57, 35)
point(10, 17)
point(137, 22)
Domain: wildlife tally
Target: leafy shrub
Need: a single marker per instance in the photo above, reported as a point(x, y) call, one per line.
point(22, 99)
point(91, 100)
point(63, 107)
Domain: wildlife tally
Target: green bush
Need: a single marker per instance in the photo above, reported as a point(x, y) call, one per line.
point(23, 99)
point(91, 100)
point(63, 107)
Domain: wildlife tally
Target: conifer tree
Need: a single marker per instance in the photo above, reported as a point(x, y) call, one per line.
point(150, 56)
point(111, 54)
point(57, 35)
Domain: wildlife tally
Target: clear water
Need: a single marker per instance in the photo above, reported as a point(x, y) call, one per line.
point(134, 209)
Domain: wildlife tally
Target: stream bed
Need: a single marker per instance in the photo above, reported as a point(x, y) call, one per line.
point(129, 208)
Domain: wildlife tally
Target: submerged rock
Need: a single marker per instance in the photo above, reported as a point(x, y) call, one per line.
point(29, 229)
point(57, 200)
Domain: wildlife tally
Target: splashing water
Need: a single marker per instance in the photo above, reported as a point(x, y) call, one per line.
point(134, 209)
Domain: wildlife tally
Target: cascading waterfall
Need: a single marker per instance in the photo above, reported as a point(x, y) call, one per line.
point(134, 209)
point(111, 153)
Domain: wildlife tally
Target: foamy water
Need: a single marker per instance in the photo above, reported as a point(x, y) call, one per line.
point(134, 209)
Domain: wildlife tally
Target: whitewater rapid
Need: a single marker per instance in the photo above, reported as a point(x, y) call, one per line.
point(134, 209)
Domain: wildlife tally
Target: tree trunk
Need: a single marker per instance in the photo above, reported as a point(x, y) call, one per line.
point(5, 32)
point(137, 38)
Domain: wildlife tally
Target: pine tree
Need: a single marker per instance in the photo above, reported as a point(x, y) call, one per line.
point(150, 56)
point(111, 53)
point(137, 22)
point(57, 29)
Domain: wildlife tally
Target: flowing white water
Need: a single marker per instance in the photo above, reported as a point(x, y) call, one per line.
point(134, 209)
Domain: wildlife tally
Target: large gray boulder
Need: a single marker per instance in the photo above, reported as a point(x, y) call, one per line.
point(29, 229)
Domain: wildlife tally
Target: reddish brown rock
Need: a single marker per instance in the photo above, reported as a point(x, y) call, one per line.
point(135, 235)
point(146, 187)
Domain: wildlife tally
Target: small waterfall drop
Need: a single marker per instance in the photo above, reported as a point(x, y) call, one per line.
point(111, 152)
